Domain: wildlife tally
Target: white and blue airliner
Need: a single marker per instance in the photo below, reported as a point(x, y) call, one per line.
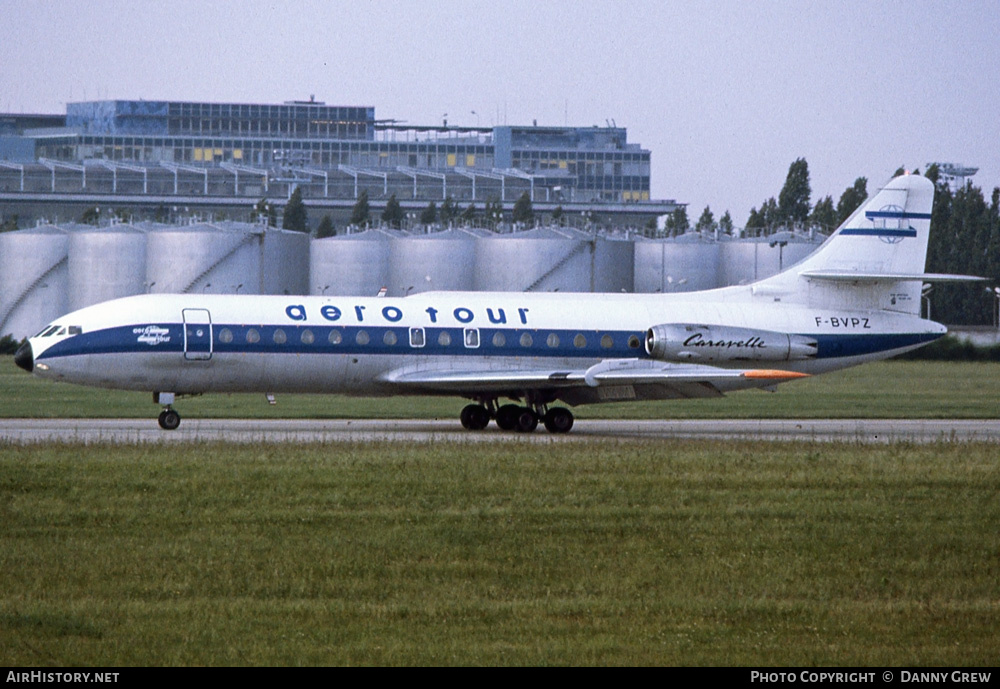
point(516, 355)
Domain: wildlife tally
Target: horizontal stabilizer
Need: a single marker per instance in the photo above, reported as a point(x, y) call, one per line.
point(853, 276)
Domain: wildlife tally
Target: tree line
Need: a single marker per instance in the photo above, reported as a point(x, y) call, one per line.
point(965, 235)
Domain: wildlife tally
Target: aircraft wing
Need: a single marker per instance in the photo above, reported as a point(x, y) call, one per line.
point(605, 381)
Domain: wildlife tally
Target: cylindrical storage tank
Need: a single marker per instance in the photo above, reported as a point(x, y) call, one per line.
point(33, 279)
point(203, 259)
point(438, 261)
point(647, 265)
point(541, 260)
point(351, 265)
point(748, 260)
point(681, 264)
point(285, 263)
point(106, 263)
point(614, 265)
point(739, 261)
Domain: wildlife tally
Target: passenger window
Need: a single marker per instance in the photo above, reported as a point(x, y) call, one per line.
point(499, 339)
point(633, 342)
point(389, 338)
point(552, 340)
point(472, 337)
point(607, 342)
point(307, 336)
point(279, 336)
point(225, 336)
point(525, 339)
point(362, 337)
point(417, 337)
point(580, 341)
point(444, 339)
point(253, 336)
point(335, 337)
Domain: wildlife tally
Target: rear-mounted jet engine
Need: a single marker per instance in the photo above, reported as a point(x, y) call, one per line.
point(691, 342)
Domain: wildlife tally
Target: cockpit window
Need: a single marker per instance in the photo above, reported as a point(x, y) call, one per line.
point(60, 330)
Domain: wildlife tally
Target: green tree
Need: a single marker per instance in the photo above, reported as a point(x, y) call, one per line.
point(266, 209)
point(933, 173)
point(851, 199)
point(90, 216)
point(755, 224)
point(295, 217)
point(523, 212)
point(325, 228)
point(651, 229)
point(706, 222)
point(361, 212)
point(558, 214)
point(824, 215)
point(726, 223)
point(469, 214)
point(429, 215)
point(393, 213)
point(449, 211)
point(793, 201)
point(677, 223)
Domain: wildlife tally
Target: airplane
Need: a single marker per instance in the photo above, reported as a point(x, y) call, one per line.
point(855, 299)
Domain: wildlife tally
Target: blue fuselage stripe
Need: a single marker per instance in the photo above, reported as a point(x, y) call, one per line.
point(441, 341)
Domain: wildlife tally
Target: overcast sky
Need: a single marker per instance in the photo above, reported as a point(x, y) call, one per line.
point(725, 94)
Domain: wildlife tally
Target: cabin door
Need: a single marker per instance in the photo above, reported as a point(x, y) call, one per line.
point(197, 334)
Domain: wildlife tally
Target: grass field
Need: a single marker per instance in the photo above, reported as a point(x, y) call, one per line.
point(628, 553)
point(612, 553)
point(893, 389)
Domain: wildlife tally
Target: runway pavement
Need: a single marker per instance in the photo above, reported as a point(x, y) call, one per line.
point(246, 431)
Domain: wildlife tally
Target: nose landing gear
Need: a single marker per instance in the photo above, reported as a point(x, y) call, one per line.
point(169, 419)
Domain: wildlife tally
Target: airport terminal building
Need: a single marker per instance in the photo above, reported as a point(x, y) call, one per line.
point(217, 155)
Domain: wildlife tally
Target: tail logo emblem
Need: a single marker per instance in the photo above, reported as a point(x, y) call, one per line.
point(890, 221)
point(888, 224)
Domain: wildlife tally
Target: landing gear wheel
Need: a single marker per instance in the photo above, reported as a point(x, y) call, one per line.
point(475, 417)
point(507, 416)
point(169, 419)
point(558, 420)
point(527, 420)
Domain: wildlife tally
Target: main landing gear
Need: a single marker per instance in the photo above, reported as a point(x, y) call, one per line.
point(513, 417)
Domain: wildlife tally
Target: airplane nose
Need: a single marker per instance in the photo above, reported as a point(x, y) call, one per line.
point(24, 357)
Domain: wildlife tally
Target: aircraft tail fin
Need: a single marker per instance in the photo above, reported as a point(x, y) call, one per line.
point(876, 258)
